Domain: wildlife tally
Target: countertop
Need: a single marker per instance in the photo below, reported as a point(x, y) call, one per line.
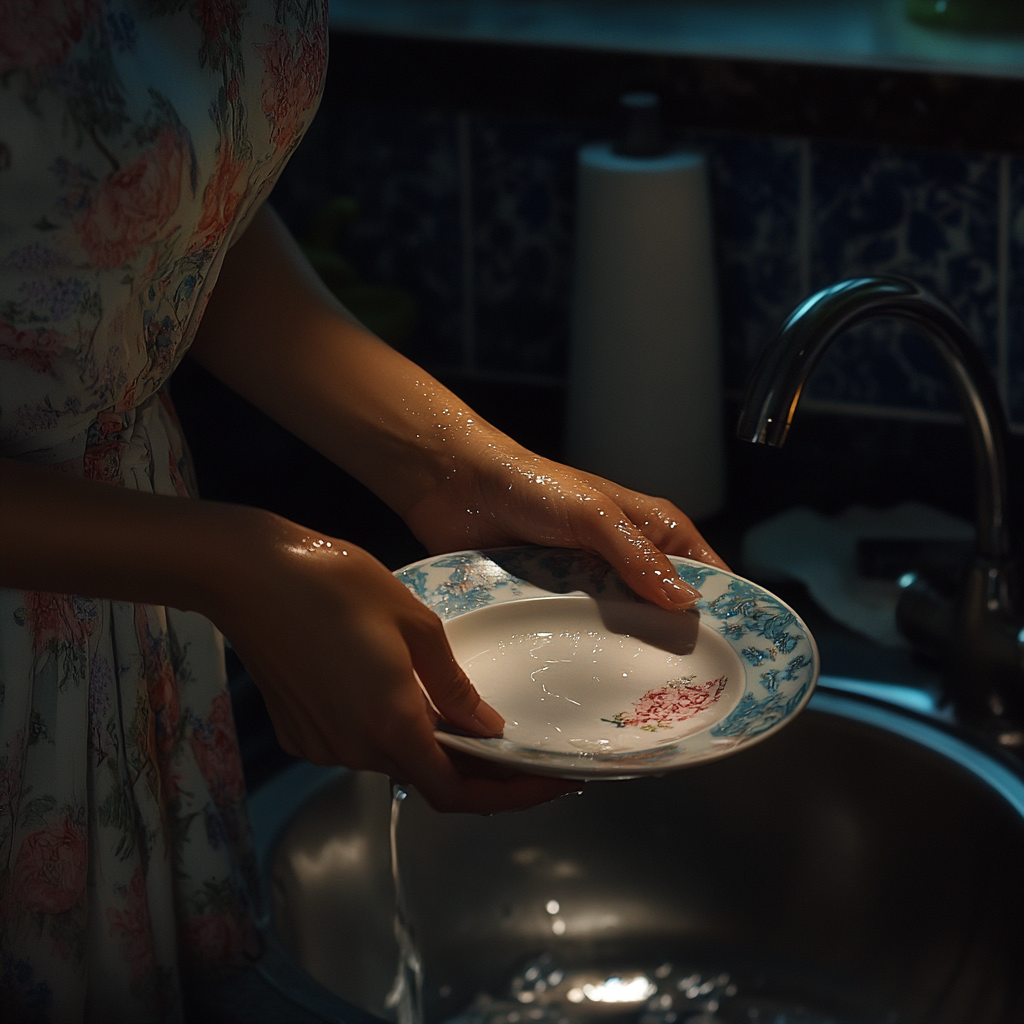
point(857, 33)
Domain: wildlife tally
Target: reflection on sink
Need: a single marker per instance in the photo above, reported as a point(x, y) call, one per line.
point(866, 861)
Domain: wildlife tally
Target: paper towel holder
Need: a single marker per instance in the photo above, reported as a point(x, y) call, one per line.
point(643, 134)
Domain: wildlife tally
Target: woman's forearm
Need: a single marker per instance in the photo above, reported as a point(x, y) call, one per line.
point(69, 535)
point(274, 333)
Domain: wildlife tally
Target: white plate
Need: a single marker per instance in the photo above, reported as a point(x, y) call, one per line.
point(594, 682)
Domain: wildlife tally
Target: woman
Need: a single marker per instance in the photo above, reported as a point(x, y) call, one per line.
point(138, 139)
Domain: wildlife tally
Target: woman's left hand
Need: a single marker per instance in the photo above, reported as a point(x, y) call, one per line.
point(500, 493)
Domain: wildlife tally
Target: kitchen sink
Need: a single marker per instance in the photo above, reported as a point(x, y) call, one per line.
point(865, 864)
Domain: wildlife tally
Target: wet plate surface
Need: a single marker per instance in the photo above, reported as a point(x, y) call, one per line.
point(593, 682)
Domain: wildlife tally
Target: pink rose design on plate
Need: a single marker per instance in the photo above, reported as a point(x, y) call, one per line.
point(668, 705)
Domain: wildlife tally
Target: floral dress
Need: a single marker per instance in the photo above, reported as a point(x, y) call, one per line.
point(137, 138)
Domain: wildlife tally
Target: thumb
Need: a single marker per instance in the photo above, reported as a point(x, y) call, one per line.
point(448, 687)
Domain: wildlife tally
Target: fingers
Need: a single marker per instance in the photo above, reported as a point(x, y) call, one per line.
point(606, 529)
point(669, 529)
point(447, 685)
point(468, 785)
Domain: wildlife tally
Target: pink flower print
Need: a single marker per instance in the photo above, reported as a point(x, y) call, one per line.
point(293, 70)
point(215, 748)
point(668, 705)
point(103, 462)
point(55, 618)
point(49, 874)
point(223, 939)
point(104, 448)
point(37, 349)
point(133, 206)
point(221, 197)
point(38, 34)
point(132, 928)
point(221, 23)
point(163, 699)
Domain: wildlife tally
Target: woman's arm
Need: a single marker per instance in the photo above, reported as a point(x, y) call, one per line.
point(276, 335)
point(335, 642)
point(73, 536)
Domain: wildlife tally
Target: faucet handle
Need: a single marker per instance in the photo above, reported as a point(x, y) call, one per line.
point(925, 617)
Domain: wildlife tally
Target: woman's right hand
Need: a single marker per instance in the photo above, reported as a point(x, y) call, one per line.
point(333, 640)
point(335, 644)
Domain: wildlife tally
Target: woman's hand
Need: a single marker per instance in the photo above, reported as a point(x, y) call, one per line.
point(500, 493)
point(334, 641)
point(335, 644)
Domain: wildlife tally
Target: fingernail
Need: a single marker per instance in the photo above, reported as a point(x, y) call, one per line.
point(490, 722)
point(680, 593)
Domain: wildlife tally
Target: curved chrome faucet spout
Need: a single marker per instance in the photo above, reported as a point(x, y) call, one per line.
point(774, 390)
point(980, 630)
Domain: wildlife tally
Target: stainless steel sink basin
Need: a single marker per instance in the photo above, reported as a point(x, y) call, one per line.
point(866, 862)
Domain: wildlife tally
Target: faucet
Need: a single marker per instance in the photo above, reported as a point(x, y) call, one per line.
point(977, 636)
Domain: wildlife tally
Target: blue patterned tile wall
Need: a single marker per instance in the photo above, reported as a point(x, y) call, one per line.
point(403, 169)
point(929, 216)
point(475, 216)
point(523, 188)
point(756, 197)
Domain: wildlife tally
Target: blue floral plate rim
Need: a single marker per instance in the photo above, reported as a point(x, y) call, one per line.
point(779, 655)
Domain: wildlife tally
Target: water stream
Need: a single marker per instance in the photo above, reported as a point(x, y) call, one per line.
point(405, 1000)
point(543, 991)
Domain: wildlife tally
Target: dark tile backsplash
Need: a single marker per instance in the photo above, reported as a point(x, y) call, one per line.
point(474, 214)
point(523, 176)
point(929, 216)
point(756, 194)
point(404, 171)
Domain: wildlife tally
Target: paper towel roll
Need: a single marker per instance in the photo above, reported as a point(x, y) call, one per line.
point(645, 393)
